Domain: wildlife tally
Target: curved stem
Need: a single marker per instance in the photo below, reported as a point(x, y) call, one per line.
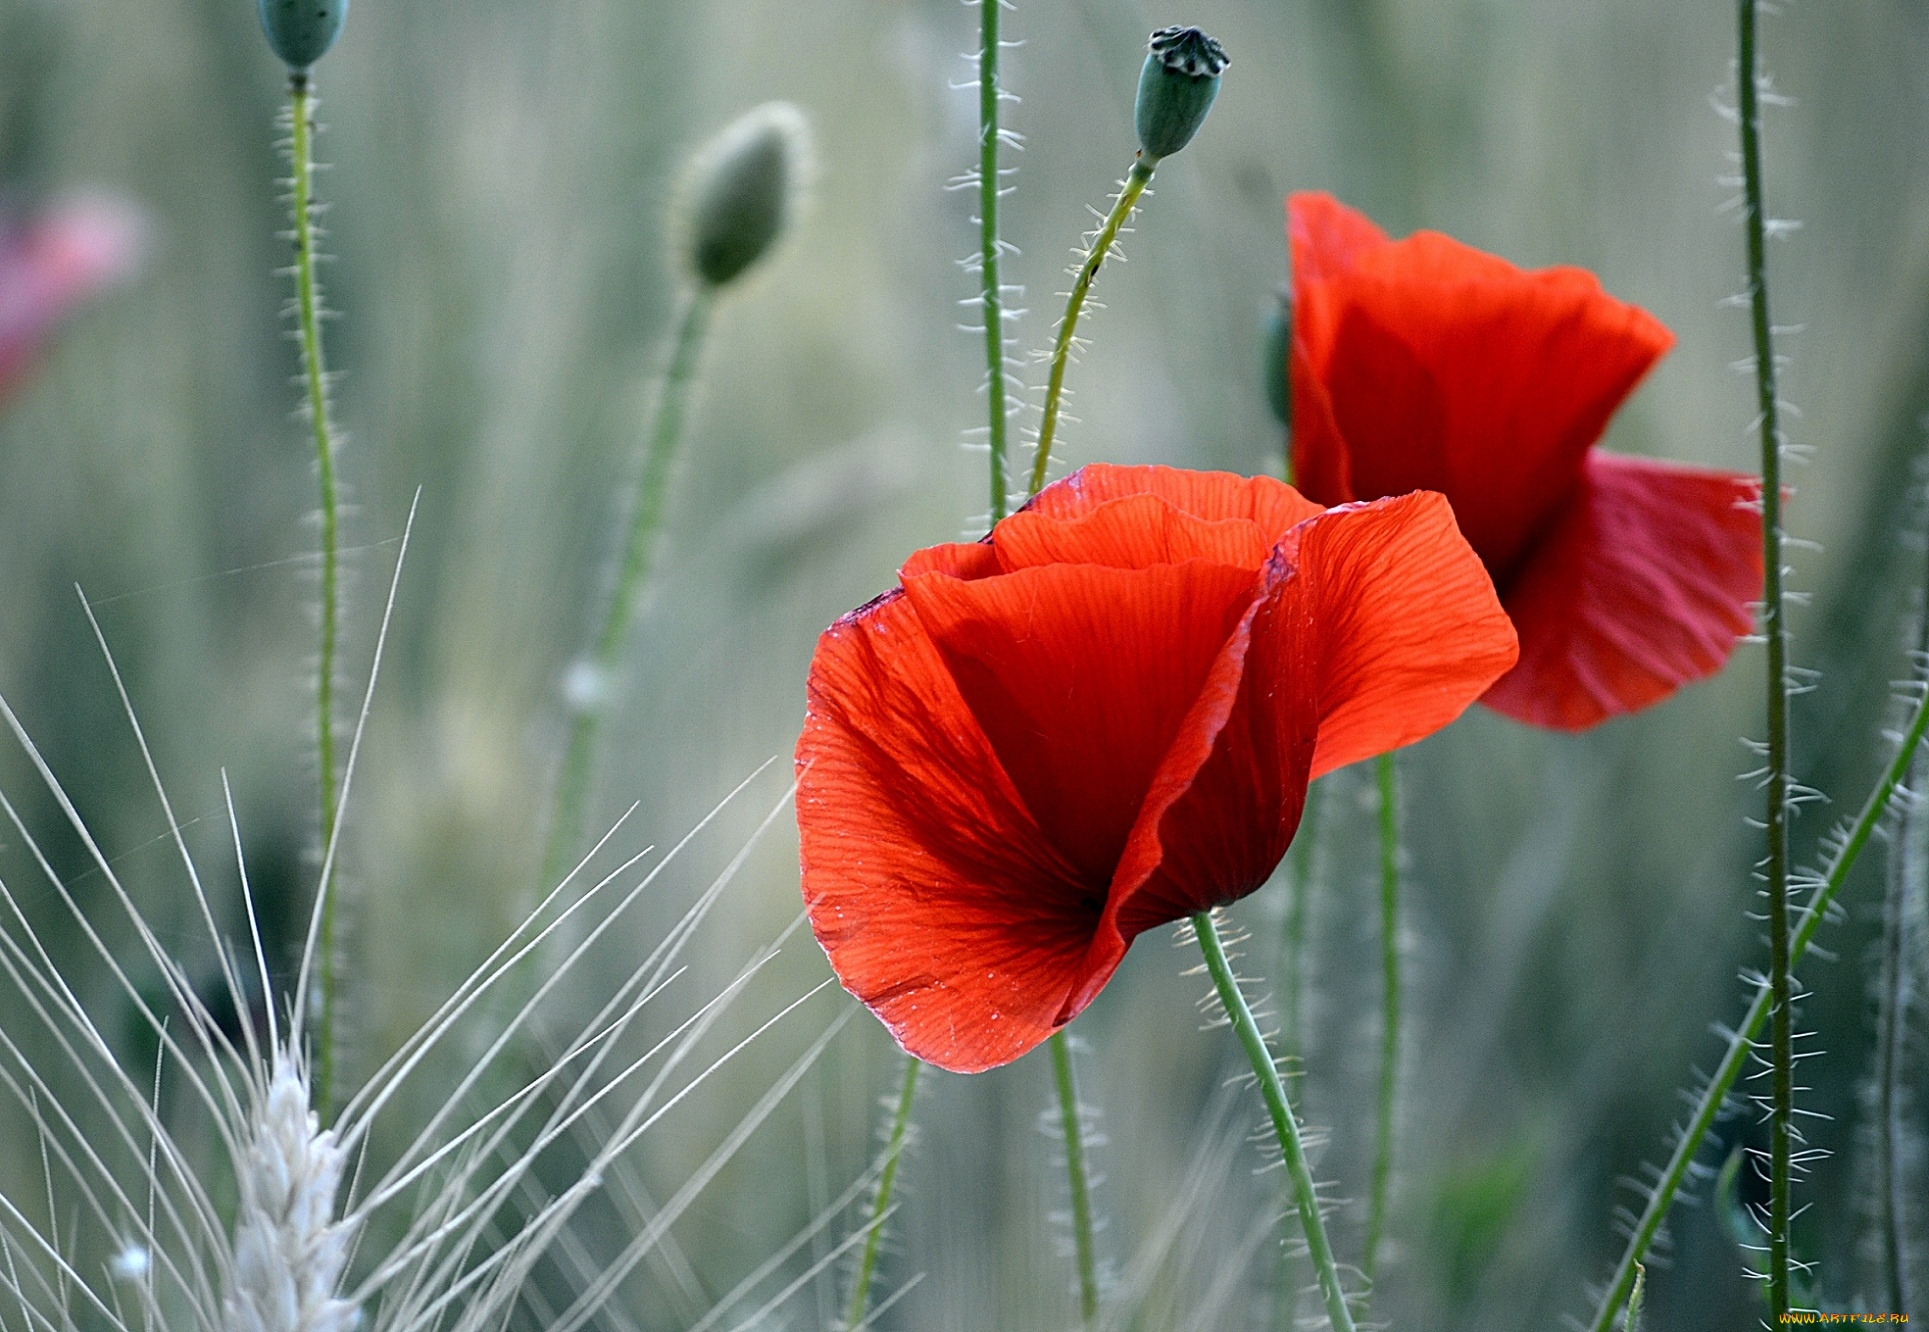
point(1742, 1044)
point(1128, 198)
point(1774, 630)
point(1292, 1151)
point(1074, 1129)
point(315, 376)
point(988, 247)
point(1390, 1009)
point(665, 436)
point(881, 1201)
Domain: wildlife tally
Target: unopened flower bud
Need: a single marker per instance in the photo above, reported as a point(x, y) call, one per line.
point(741, 191)
point(301, 31)
point(1176, 89)
point(1276, 368)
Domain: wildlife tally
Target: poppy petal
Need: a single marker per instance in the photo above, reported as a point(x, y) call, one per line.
point(1643, 584)
point(1134, 532)
point(1427, 364)
point(960, 559)
point(1080, 676)
point(1328, 238)
point(929, 885)
point(1376, 627)
point(1403, 618)
point(1273, 504)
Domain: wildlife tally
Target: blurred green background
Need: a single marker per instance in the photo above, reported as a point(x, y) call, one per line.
point(496, 206)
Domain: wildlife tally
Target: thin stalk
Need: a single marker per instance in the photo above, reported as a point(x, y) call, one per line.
point(993, 294)
point(1135, 182)
point(1638, 1298)
point(1292, 1151)
point(1742, 1044)
point(639, 556)
point(308, 307)
point(881, 1201)
point(1075, 1173)
point(1390, 1009)
point(1300, 868)
point(1774, 630)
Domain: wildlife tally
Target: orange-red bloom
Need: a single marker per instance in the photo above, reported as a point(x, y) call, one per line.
point(1426, 364)
point(1102, 718)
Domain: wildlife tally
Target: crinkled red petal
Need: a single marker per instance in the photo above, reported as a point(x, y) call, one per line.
point(1643, 584)
point(1081, 676)
point(1404, 619)
point(1375, 627)
point(1213, 496)
point(1426, 364)
point(940, 904)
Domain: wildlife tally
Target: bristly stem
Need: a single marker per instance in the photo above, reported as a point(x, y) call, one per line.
point(1775, 631)
point(301, 106)
point(1071, 1122)
point(1135, 182)
point(881, 1200)
point(1742, 1044)
point(1390, 1010)
point(664, 437)
point(1292, 1151)
point(988, 247)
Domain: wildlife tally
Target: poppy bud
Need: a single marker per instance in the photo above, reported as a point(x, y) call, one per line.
point(1273, 370)
point(301, 31)
point(740, 192)
point(1176, 89)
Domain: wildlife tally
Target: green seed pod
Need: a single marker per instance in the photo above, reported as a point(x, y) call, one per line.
point(301, 31)
point(1275, 369)
point(1176, 89)
point(740, 192)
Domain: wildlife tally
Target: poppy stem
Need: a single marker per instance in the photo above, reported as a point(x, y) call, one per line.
point(1775, 632)
point(590, 678)
point(1301, 865)
point(1128, 197)
point(1741, 1045)
point(1390, 1009)
point(992, 293)
point(881, 1200)
point(308, 313)
point(1293, 1152)
point(1072, 1121)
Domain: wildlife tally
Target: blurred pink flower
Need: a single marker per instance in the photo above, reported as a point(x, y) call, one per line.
point(50, 263)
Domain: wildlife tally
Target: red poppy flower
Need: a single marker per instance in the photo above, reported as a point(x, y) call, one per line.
point(1425, 364)
point(52, 263)
point(1102, 718)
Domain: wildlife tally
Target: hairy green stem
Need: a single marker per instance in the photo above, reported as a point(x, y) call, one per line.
point(1292, 1151)
point(308, 311)
point(988, 247)
point(1300, 868)
point(1775, 631)
point(1390, 1010)
point(1135, 182)
point(664, 438)
point(1742, 1044)
point(1075, 1173)
point(881, 1200)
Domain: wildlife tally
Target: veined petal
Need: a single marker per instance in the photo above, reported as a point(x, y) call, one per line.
point(1132, 532)
point(1427, 364)
point(928, 883)
point(1402, 617)
point(1643, 584)
point(1081, 676)
point(1376, 626)
point(1272, 504)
